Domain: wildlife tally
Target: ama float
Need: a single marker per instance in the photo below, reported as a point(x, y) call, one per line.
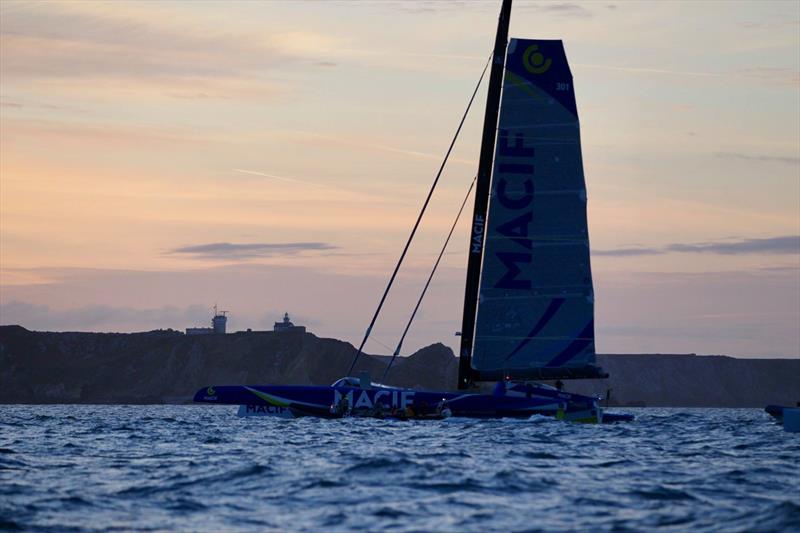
point(529, 304)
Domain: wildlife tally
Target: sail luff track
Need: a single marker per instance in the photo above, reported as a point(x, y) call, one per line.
point(482, 190)
point(416, 224)
point(428, 283)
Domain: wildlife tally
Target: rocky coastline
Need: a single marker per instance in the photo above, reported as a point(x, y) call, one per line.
point(167, 366)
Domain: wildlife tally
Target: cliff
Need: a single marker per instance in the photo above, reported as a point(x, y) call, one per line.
point(667, 380)
point(168, 367)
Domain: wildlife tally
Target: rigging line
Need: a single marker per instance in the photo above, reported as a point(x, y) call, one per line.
point(419, 219)
point(373, 339)
point(427, 283)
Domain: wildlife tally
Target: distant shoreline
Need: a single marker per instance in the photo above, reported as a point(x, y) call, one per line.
point(167, 367)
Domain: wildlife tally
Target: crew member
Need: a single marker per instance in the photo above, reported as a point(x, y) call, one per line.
point(343, 406)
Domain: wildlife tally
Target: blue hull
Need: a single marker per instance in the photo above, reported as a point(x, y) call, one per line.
point(294, 401)
point(776, 411)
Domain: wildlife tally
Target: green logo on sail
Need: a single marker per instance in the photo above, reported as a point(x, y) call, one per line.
point(534, 61)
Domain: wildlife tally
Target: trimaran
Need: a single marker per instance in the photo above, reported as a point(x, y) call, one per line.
point(528, 306)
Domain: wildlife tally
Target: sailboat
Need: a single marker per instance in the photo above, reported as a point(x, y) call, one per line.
point(528, 312)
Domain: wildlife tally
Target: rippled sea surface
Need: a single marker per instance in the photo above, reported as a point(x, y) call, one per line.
point(201, 468)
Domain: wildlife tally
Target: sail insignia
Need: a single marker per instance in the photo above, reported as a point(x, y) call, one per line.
point(535, 315)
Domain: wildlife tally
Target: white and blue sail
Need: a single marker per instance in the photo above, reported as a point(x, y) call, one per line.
point(535, 308)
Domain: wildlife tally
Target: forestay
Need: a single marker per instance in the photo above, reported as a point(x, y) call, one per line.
point(536, 309)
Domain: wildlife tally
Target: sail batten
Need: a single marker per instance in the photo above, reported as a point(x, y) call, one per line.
point(535, 317)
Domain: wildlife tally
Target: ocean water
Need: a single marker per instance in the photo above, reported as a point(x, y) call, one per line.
point(200, 468)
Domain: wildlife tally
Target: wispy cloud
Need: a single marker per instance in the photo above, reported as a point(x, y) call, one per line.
point(32, 105)
point(227, 250)
point(275, 177)
point(564, 9)
point(789, 244)
point(327, 187)
point(101, 317)
point(627, 252)
point(791, 160)
point(328, 140)
point(649, 70)
point(561, 9)
point(778, 76)
point(134, 51)
point(769, 26)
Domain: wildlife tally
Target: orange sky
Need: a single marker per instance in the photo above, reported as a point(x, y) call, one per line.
point(130, 131)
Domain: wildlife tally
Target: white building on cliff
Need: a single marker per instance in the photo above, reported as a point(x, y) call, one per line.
point(287, 325)
point(218, 324)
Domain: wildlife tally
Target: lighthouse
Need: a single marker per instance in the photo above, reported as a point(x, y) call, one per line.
point(287, 325)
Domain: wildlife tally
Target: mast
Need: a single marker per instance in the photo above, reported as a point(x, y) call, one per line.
point(482, 190)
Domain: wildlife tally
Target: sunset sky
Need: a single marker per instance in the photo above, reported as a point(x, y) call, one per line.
point(157, 158)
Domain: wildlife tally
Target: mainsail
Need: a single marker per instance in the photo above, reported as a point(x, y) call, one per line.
point(535, 302)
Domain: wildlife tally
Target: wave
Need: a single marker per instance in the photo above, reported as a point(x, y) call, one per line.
point(196, 468)
point(217, 480)
point(662, 493)
point(377, 464)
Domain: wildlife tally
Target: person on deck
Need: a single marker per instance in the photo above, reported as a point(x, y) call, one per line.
point(343, 406)
point(377, 410)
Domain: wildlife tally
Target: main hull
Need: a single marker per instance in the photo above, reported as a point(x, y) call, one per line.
point(298, 401)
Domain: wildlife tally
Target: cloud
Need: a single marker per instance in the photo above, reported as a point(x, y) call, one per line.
point(564, 9)
point(138, 51)
point(782, 76)
point(226, 250)
point(777, 76)
point(648, 70)
point(789, 244)
point(317, 139)
point(791, 160)
point(768, 26)
point(334, 304)
point(275, 177)
point(751, 313)
point(31, 105)
point(107, 132)
point(759, 306)
point(627, 252)
point(189, 95)
point(102, 317)
point(434, 7)
point(567, 9)
point(559, 9)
